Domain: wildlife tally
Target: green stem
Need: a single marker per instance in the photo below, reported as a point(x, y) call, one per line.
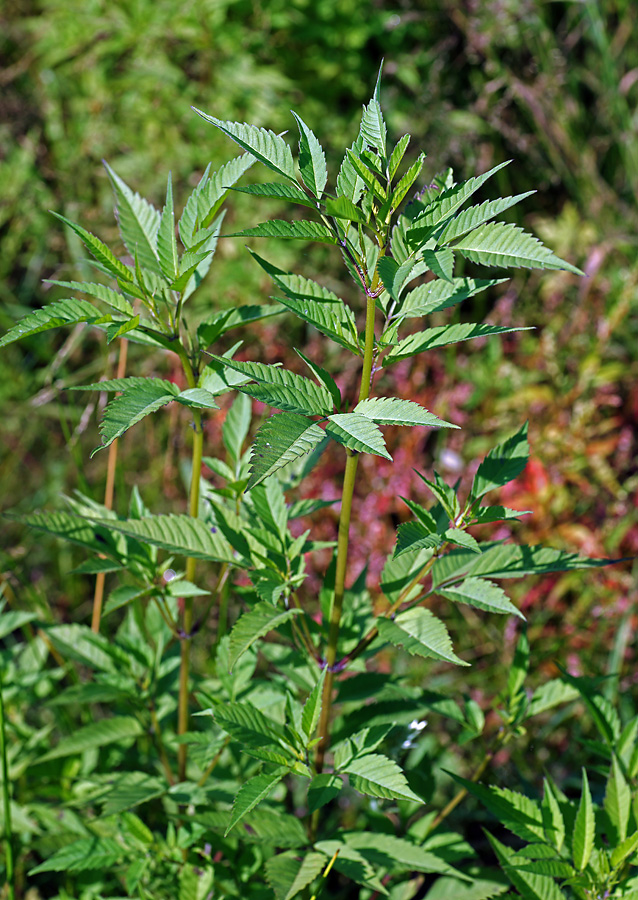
point(187, 610)
point(6, 801)
point(342, 547)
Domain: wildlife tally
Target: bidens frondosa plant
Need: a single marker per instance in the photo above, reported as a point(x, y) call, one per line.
point(304, 767)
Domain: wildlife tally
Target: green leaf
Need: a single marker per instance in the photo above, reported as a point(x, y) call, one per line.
point(444, 494)
point(266, 146)
point(60, 312)
point(322, 789)
point(617, 801)
point(195, 883)
point(549, 695)
point(483, 595)
point(441, 262)
point(312, 708)
point(131, 789)
point(497, 514)
point(226, 319)
point(393, 411)
point(315, 304)
point(11, 620)
point(362, 169)
point(349, 182)
point(99, 291)
point(116, 330)
point(357, 433)
point(531, 886)
point(312, 159)
point(373, 129)
point(97, 854)
point(503, 464)
point(421, 633)
point(522, 816)
point(97, 734)
point(281, 388)
point(139, 222)
point(324, 377)
point(406, 182)
point(412, 536)
point(176, 533)
point(203, 204)
point(397, 155)
point(280, 440)
point(197, 398)
point(255, 623)
point(485, 885)
point(584, 828)
point(500, 244)
point(553, 820)
point(394, 853)
point(99, 251)
point(378, 776)
point(258, 736)
point(166, 241)
point(279, 191)
point(288, 876)
point(510, 561)
point(137, 401)
point(476, 215)
point(251, 793)
point(625, 849)
point(605, 716)
point(399, 571)
point(236, 426)
point(434, 296)
point(446, 204)
point(441, 336)
point(297, 230)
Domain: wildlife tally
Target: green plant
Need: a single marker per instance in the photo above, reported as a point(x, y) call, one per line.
point(283, 742)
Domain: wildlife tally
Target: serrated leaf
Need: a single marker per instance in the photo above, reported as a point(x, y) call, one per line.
point(483, 595)
point(373, 129)
point(117, 330)
point(286, 390)
point(197, 398)
point(280, 440)
point(343, 208)
point(139, 222)
point(132, 405)
point(519, 814)
point(485, 514)
point(447, 203)
point(617, 801)
point(99, 291)
point(584, 828)
point(471, 218)
point(166, 241)
point(251, 793)
point(357, 433)
point(500, 244)
point(378, 776)
point(441, 262)
point(266, 146)
point(406, 182)
point(236, 426)
point(485, 885)
point(279, 191)
point(437, 295)
point(322, 789)
point(462, 539)
point(349, 182)
point(288, 876)
point(530, 885)
point(195, 882)
point(312, 708)
point(255, 623)
point(315, 304)
point(553, 820)
point(203, 204)
point(442, 336)
point(624, 849)
point(413, 536)
point(97, 734)
point(324, 377)
point(549, 695)
point(363, 170)
point(398, 853)
point(421, 633)
point(258, 736)
point(99, 250)
point(444, 494)
point(175, 533)
point(312, 159)
point(130, 789)
point(397, 155)
point(297, 230)
point(503, 464)
point(95, 853)
point(60, 312)
point(398, 572)
point(393, 411)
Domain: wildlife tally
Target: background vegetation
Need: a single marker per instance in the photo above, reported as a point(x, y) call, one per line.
point(552, 85)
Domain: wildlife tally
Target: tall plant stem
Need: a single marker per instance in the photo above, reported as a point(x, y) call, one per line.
point(187, 610)
point(109, 490)
point(6, 801)
point(342, 548)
